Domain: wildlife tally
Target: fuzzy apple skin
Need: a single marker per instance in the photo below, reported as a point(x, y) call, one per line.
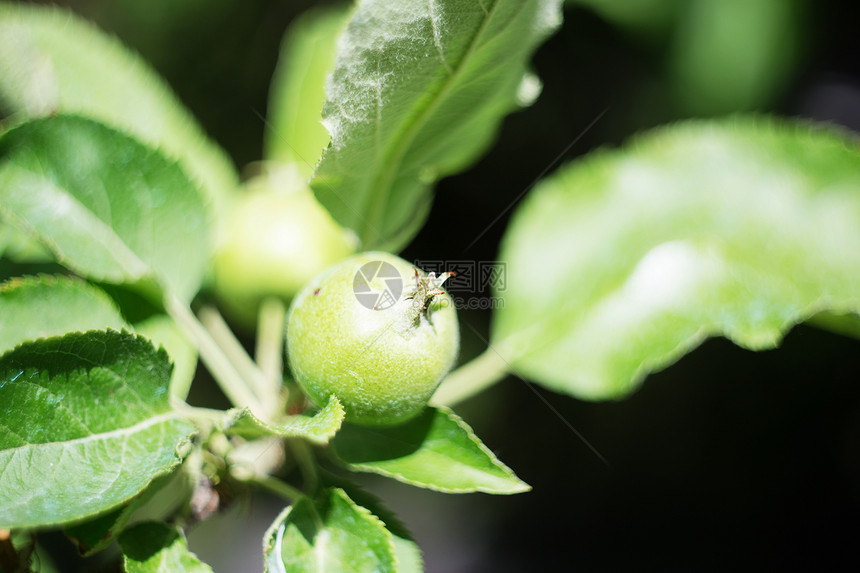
point(383, 365)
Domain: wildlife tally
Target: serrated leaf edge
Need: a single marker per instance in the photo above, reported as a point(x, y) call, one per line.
point(521, 486)
point(274, 535)
point(283, 430)
point(517, 343)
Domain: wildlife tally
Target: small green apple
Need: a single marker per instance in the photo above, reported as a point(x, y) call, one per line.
point(375, 332)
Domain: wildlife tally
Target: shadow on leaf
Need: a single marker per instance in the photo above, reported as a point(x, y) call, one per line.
point(360, 444)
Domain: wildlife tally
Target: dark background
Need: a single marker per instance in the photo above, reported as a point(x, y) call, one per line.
point(727, 460)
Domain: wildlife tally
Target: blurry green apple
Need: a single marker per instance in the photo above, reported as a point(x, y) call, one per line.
point(277, 237)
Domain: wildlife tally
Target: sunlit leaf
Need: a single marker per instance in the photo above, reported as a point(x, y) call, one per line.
point(94, 535)
point(107, 206)
point(406, 550)
point(624, 261)
point(85, 425)
point(295, 133)
point(329, 534)
point(408, 555)
point(318, 428)
point(436, 450)
point(17, 246)
point(417, 93)
point(37, 307)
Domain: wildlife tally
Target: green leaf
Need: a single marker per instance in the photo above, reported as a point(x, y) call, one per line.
point(406, 551)
point(643, 17)
point(107, 206)
point(296, 133)
point(435, 450)
point(621, 263)
point(329, 534)
point(154, 547)
point(319, 428)
point(38, 307)
point(408, 556)
point(54, 62)
point(163, 331)
point(161, 498)
point(17, 246)
point(417, 93)
point(85, 425)
point(844, 324)
point(735, 55)
point(365, 499)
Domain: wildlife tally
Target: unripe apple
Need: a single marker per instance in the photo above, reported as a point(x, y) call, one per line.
point(377, 333)
point(277, 238)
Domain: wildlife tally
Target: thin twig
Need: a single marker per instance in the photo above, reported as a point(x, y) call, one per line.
point(223, 371)
point(278, 487)
point(307, 465)
point(269, 352)
point(471, 378)
point(217, 327)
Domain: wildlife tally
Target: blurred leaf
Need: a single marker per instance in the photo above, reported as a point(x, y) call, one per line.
point(21, 553)
point(17, 246)
point(331, 534)
point(417, 93)
point(297, 93)
point(16, 549)
point(86, 425)
point(435, 450)
point(155, 547)
point(163, 331)
point(735, 55)
point(407, 555)
point(107, 206)
point(641, 16)
point(277, 240)
point(844, 324)
point(621, 263)
point(54, 62)
point(318, 428)
point(38, 307)
point(94, 535)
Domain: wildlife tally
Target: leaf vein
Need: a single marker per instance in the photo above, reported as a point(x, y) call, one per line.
point(399, 147)
point(102, 436)
point(432, 9)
